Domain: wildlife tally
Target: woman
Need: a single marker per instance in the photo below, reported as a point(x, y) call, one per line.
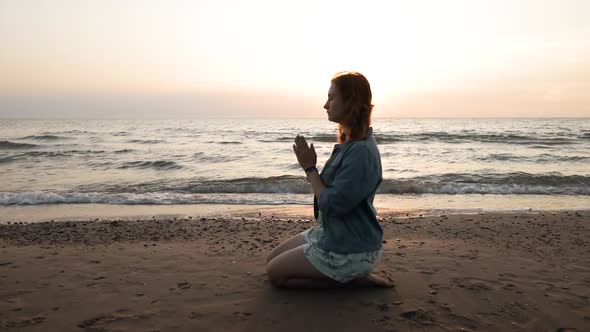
point(345, 244)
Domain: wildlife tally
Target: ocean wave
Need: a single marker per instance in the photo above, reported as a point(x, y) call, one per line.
point(48, 154)
point(224, 142)
point(158, 165)
point(275, 185)
point(543, 158)
point(37, 198)
point(516, 183)
point(216, 158)
point(500, 184)
point(295, 190)
point(384, 138)
point(69, 132)
point(315, 138)
point(54, 154)
point(7, 145)
point(512, 183)
point(45, 137)
point(121, 133)
point(124, 151)
point(7, 159)
point(481, 138)
point(286, 184)
point(145, 141)
point(501, 157)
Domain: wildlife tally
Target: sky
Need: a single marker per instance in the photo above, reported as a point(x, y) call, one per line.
point(266, 58)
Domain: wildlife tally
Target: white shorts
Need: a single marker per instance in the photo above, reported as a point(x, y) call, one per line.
point(340, 267)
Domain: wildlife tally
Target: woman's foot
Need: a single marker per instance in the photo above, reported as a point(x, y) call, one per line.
point(374, 280)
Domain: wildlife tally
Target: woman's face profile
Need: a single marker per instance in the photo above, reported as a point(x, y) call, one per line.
point(334, 105)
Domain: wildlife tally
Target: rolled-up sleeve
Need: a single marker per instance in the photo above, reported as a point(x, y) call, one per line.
point(356, 179)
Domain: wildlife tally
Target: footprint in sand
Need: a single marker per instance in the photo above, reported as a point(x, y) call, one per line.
point(100, 321)
point(244, 315)
point(460, 322)
point(183, 285)
point(195, 315)
point(24, 322)
point(97, 321)
point(476, 284)
point(419, 316)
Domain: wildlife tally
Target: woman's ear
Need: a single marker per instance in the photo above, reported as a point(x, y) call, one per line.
point(347, 106)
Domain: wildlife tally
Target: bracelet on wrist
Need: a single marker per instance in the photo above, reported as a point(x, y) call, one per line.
point(310, 169)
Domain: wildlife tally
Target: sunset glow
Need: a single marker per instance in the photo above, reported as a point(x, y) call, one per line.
point(530, 57)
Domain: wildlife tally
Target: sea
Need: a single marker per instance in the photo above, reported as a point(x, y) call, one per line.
point(481, 163)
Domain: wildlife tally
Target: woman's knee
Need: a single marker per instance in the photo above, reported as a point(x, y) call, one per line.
point(288, 265)
point(283, 266)
point(275, 274)
point(276, 251)
point(273, 253)
point(286, 245)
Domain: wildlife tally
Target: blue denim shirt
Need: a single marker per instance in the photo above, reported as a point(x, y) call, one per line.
point(351, 176)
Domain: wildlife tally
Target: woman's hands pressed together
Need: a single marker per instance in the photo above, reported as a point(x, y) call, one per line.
point(306, 155)
point(307, 158)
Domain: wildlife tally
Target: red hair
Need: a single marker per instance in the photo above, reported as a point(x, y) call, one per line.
point(355, 91)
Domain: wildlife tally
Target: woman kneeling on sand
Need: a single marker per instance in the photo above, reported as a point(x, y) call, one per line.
point(345, 244)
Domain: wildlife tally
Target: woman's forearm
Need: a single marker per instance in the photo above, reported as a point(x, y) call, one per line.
point(316, 183)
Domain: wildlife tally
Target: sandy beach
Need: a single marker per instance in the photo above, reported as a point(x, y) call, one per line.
point(510, 271)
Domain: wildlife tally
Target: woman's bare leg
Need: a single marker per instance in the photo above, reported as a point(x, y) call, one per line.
point(291, 269)
point(292, 242)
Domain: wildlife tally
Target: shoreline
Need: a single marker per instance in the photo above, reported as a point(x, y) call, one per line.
point(386, 205)
point(486, 272)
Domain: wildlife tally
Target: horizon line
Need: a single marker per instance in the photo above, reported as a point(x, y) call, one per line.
point(293, 118)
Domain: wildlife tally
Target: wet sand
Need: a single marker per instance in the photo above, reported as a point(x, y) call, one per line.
point(469, 272)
